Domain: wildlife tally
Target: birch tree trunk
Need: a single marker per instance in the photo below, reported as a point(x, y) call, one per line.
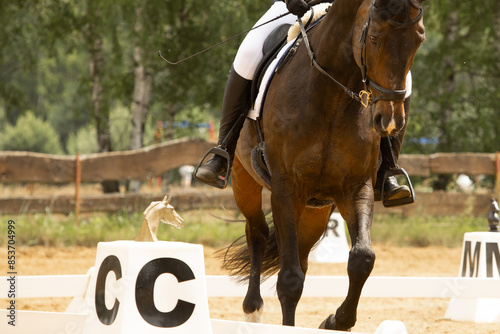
point(143, 82)
point(100, 105)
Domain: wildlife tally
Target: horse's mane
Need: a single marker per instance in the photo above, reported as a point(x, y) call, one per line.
point(387, 9)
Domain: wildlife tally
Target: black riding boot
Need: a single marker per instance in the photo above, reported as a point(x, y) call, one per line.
point(392, 189)
point(235, 102)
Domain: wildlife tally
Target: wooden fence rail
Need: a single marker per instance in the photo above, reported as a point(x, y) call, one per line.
point(142, 164)
point(472, 164)
point(156, 159)
point(137, 165)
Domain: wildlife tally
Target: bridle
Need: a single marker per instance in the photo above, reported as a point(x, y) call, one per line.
point(370, 85)
point(365, 97)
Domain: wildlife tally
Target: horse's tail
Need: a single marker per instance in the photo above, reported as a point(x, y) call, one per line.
point(236, 258)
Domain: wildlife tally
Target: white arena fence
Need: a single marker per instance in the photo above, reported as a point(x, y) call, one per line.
point(105, 300)
point(224, 286)
point(315, 286)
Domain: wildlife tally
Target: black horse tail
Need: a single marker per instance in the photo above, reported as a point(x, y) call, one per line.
point(236, 258)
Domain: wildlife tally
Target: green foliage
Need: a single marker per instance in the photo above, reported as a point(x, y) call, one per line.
point(189, 121)
point(30, 134)
point(120, 127)
point(84, 140)
point(60, 90)
point(456, 76)
point(44, 64)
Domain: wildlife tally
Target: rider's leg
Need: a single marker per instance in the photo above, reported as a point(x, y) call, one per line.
point(236, 99)
point(238, 89)
point(391, 187)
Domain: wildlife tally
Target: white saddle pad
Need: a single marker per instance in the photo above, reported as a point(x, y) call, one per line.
point(266, 79)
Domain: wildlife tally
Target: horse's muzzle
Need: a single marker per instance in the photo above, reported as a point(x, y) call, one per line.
point(388, 117)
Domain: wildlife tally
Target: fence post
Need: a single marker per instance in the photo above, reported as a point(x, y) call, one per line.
point(78, 178)
point(497, 175)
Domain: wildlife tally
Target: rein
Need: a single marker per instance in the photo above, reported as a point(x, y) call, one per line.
point(364, 96)
point(311, 3)
point(349, 92)
point(223, 42)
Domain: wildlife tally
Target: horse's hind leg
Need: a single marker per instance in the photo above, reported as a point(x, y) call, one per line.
point(248, 195)
point(312, 225)
point(358, 212)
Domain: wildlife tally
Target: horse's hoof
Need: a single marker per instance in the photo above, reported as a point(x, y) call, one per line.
point(255, 317)
point(330, 323)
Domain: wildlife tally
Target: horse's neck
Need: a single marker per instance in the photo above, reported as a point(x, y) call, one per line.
point(346, 9)
point(335, 36)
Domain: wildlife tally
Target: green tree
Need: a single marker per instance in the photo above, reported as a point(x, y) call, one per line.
point(200, 81)
point(456, 73)
point(30, 134)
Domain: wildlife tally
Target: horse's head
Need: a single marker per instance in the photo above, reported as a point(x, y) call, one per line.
point(386, 36)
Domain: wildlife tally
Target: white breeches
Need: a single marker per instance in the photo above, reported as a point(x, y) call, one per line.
point(250, 52)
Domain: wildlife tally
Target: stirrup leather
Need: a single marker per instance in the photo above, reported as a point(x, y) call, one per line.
point(399, 201)
point(220, 183)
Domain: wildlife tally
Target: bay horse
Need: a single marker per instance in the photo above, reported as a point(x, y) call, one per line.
point(323, 146)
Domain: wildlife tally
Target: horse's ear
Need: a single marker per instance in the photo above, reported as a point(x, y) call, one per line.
point(167, 199)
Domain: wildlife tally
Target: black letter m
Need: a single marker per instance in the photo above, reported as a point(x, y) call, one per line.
point(472, 261)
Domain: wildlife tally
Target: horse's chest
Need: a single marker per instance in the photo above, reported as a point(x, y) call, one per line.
point(312, 164)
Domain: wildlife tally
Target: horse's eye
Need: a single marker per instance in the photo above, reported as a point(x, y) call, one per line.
point(373, 39)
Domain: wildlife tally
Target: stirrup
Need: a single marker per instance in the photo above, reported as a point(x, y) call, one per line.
point(399, 201)
point(220, 183)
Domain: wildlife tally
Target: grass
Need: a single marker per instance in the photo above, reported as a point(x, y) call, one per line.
point(57, 230)
point(207, 227)
point(422, 231)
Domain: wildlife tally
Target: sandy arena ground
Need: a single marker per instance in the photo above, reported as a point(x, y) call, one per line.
point(418, 315)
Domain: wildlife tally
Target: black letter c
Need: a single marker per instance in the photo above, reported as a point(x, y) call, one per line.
point(111, 263)
point(144, 292)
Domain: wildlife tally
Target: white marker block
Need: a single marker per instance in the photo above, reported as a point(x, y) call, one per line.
point(480, 258)
point(147, 287)
point(332, 247)
point(391, 327)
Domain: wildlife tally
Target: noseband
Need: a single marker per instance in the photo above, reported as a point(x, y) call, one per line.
point(365, 97)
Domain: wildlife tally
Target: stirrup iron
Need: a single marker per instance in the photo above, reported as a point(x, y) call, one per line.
point(220, 183)
point(399, 201)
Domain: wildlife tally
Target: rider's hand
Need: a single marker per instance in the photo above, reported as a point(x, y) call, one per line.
point(297, 7)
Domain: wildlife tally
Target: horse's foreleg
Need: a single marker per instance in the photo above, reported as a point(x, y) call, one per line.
point(290, 277)
point(248, 195)
point(361, 257)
